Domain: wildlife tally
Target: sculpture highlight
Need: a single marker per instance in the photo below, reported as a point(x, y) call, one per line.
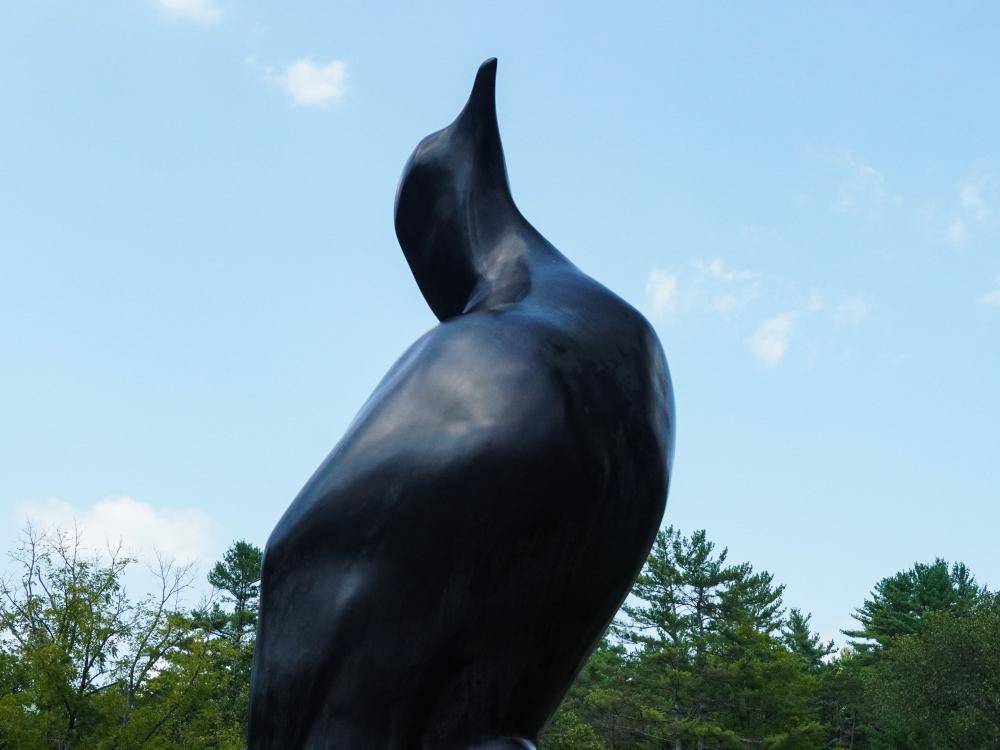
point(446, 571)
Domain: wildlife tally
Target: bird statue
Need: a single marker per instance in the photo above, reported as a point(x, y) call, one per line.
point(442, 577)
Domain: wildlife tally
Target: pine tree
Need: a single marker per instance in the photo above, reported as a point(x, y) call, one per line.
point(238, 576)
point(899, 603)
point(710, 670)
point(800, 640)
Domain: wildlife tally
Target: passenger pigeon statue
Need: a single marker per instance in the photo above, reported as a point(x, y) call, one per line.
point(446, 571)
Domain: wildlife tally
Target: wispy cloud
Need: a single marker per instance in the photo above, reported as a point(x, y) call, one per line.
point(992, 297)
point(861, 186)
point(311, 84)
point(661, 293)
point(720, 289)
point(182, 534)
point(770, 341)
point(971, 198)
point(956, 232)
point(972, 209)
point(709, 285)
point(743, 298)
point(717, 269)
point(201, 11)
point(852, 310)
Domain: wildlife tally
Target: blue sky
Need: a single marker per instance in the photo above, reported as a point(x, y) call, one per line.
point(200, 282)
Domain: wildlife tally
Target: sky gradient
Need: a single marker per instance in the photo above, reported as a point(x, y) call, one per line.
point(200, 284)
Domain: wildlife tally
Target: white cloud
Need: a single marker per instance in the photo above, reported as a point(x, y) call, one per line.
point(852, 310)
point(717, 269)
point(770, 341)
point(862, 185)
point(661, 293)
point(970, 196)
point(202, 11)
point(956, 232)
point(721, 289)
point(992, 297)
point(182, 534)
point(311, 84)
point(972, 210)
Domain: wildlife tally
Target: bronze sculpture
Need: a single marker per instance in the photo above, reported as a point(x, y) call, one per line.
point(443, 575)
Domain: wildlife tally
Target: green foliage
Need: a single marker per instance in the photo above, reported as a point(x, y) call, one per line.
point(237, 575)
point(237, 578)
point(841, 696)
point(899, 603)
point(802, 642)
point(688, 593)
point(696, 661)
point(568, 732)
point(715, 671)
point(603, 698)
point(702, 658)
point(84, 666)
point(940, 686)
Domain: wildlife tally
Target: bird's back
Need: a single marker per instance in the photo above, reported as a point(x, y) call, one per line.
point(495, 486)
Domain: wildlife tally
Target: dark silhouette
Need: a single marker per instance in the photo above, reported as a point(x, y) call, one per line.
point(443, 575)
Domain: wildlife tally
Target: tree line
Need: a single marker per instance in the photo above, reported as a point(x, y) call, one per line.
point(703, 655)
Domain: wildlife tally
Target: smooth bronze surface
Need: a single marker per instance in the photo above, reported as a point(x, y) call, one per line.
point(446, 571)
